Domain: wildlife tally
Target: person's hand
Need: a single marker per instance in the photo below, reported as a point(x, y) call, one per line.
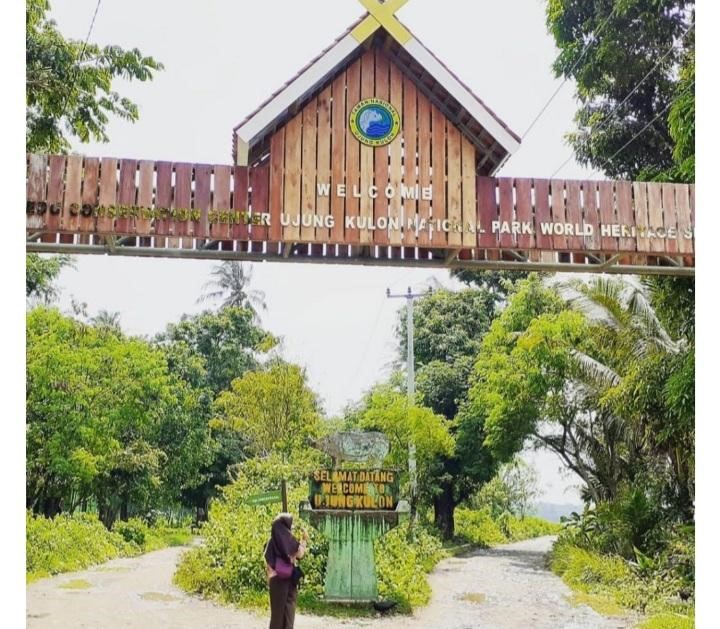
point(305, 536)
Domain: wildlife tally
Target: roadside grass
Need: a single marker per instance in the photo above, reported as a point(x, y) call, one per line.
point(477, 527)
point(68, 543)
point(611, 587)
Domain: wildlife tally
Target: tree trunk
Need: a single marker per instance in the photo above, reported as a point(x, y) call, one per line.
point(444, 505)
point(51, 507)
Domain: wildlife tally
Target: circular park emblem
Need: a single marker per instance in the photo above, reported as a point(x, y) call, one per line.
point(374, 122)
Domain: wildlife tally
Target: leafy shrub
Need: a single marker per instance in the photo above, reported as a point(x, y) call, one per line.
point(133, 531)
point(529, 527)
point(68, 543)
point(628, 583)
point(230, 564)
point(479, 527)
point(401, 558)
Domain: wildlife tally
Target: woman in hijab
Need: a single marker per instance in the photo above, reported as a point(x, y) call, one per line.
point(280, 554)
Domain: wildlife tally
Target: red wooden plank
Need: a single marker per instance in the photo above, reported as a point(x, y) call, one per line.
point(411, 146)
point(543, 213)
point(557, 212)
point(277, 166)
point(240, 231)
point(163, 195)
point(684, 224)
point(523, 191)
point(626, 216)
point(670, 218)
point(126, 196)
point(221, 201)
point(505, 187)
point(36, 176)
point(424, 153)
point(146, 184)
point(259, 181)
point(72, 201)
point(591, 214)
point(202, 200)
point(382, 174)
point(352, 153)
point(91, 177)
point(55, 187)
point(641, 215)
point(487, 211)
point(182, 197)
point(339, 122)
point(107, 197)
point(607, 216)
point(439, 178)
point(574, 215)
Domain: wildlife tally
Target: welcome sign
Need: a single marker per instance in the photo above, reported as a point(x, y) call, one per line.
point(375, 153)
point(367, 490)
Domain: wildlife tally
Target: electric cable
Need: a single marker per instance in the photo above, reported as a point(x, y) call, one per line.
point(591, 40)
point(617, 107)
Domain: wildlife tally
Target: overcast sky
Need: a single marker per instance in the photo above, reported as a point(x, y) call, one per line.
point(222, 58)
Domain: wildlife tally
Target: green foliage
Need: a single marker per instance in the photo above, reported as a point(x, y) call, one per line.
point(391, 413)
point(231, 283)
point(670, 621)
point(626, 583)
point(402, 556)
point(68, 543)
point(229, 566)
point(106, 421)
point(40, 274)
point(511, 490)
point(617, 58)
point(274, 409)
point(480, 527)
point(69, 84)
point(225, 343)
point(448, 325)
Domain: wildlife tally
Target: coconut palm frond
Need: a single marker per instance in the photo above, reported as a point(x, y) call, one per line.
point(641, 308)
point(594, 369)
point(596, 302)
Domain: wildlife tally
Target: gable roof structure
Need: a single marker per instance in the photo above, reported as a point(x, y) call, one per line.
point(493, 140)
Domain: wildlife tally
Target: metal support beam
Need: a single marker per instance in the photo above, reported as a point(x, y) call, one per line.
point(435, 262)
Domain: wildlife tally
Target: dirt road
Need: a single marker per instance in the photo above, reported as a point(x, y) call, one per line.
point(502, 588)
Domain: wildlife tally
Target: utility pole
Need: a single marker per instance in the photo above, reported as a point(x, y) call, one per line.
point(410, 326)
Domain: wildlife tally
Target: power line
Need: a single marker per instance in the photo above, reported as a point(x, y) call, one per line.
point(639, 133)
point(617, 107)
point(80, 58)
point(590, 41)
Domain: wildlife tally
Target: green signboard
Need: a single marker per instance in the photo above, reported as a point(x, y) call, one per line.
point(264, 498)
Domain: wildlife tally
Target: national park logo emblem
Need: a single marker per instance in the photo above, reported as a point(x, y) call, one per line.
point(374, 122)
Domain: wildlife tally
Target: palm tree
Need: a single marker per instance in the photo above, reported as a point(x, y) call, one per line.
point(230, 284)
point(600, 442)
point(107, 320)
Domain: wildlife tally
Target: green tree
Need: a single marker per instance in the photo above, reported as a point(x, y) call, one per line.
point(389, 411)
point(274, 410)
point(228, 342)
point(106, 421)
point(231, 284)
point(449, 328)
point(624, 56)
point(40, 275)
point(69, 84)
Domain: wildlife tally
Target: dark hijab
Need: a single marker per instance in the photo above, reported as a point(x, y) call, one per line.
point(282, 543)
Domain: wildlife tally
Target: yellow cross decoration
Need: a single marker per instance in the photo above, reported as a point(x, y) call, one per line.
point(382, 14)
